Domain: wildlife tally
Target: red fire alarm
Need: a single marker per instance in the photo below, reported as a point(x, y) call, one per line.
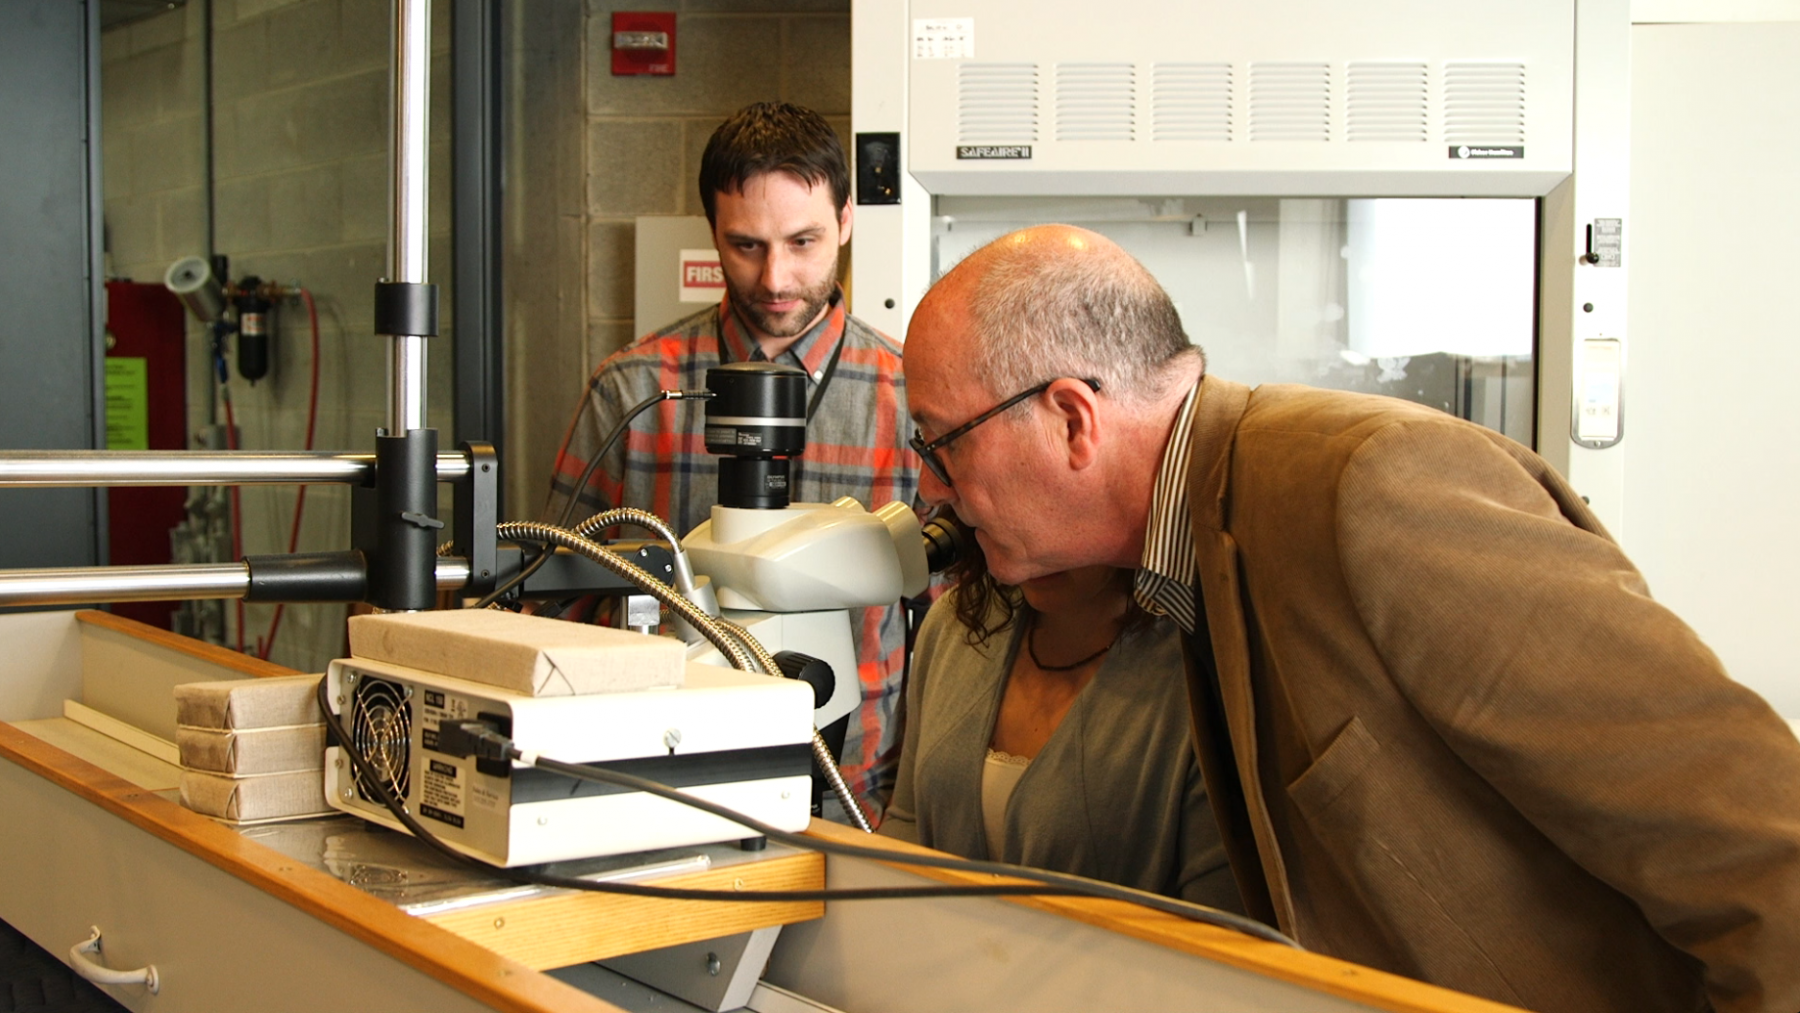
point(643, 43)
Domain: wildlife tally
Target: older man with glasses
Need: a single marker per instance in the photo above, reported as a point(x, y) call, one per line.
point(1444, 728)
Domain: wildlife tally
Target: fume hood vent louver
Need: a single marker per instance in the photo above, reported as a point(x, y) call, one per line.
point(997, 103)
point(1190, 102)
point(1300, 98)
point(1484, 103)
point(1290, 102)
point(1386, 102)
point(1095, 101)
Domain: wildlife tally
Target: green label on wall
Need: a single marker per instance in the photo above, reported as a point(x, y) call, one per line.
point(127, 404)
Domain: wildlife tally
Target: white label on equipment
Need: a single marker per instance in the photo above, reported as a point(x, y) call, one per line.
point(1598, 404)
point(442, 797)
point(943, 38)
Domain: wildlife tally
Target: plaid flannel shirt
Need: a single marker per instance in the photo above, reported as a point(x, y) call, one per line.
point(855, 446)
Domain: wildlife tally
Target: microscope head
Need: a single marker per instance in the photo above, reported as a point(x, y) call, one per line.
point(756, 421)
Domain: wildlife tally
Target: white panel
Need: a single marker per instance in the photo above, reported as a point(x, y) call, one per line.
point(1278, 100)
point(1715, 470)
point(886, 282)
point(987, 953)
point(1387, 102)
point(40, 642)
point(1583, 301)
point(218, 943)
point(1441, 276)
point(1703, 11)
point(1190, 102)
point(660, 242)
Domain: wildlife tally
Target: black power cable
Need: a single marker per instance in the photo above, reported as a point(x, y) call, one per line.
point(593, 464)
point(485, 742)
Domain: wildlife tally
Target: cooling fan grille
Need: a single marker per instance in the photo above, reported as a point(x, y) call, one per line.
point(381, 732)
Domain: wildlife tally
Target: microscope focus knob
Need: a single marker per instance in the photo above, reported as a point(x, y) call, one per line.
point(810, 670)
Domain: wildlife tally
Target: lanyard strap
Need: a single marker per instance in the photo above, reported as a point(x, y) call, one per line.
point(825, 377)
point(818, 395)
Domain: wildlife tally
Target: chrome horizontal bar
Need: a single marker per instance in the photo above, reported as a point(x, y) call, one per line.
point(88, 468)
point(90, 585)
point(85, 585)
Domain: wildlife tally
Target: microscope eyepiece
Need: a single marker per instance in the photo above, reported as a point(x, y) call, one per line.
point(944, 541)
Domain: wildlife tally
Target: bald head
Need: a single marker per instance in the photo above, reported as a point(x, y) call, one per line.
point(1055, 300)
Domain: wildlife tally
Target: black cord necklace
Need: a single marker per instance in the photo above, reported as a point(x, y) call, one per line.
point(1031, 649)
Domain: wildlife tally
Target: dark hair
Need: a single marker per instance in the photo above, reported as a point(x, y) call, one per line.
point(772, 137)
point(986, 607)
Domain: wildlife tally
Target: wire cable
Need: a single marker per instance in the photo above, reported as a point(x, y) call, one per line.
point(741, 649)
point(1047, 883)
point(593, 464)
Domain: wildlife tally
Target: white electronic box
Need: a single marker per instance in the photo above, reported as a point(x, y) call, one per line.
point(737, 739)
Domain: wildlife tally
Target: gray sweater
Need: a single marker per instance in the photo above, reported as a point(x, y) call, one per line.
point(1114, 795)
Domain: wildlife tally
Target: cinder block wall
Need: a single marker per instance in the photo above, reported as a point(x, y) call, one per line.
point(300, 194)
point(595, 151)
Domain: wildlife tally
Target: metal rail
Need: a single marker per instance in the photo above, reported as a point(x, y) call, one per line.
point(89, 468)
point(90, 585)
point(410, 164)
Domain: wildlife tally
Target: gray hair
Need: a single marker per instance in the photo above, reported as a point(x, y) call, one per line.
point(1048, 311)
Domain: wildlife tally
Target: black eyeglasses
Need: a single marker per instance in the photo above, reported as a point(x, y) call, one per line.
point(928, 451)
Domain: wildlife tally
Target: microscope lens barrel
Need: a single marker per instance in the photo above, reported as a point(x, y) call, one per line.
point(759, 410)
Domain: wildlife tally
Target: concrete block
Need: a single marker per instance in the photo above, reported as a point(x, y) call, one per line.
point(722, 63)
point(257, 8)
point(816, 59)
point(162, 29)
point(365, 195)
point(181, 93)
point(440, 253)
point(345, 276)
point(115, 160)
point(241, 59)
point(130, 90)
point(166, 154)
point(612, 262)
point(442, 98)
point(241, 216)
point(306, 208)
point(131, 230)
point(340, 118)
point(605, 337)
point(115, 45)
point(364, 27)
point(183, 224)
point(769, 6)
point(695, 132)
point(302, 40)
point(440, 27)
point(354, 118)
point(634, 167)
point(441, 188)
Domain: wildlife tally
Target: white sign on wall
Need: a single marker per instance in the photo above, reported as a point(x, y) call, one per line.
point(700, 277)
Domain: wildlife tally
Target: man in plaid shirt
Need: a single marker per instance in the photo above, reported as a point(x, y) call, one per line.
point(776, 189)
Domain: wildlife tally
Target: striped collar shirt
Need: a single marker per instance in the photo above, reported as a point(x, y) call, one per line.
point(1164, 584)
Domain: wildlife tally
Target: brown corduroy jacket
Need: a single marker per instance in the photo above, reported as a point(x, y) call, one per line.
point(1472, 750)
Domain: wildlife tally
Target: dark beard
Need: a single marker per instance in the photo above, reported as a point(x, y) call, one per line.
point(812, 301)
